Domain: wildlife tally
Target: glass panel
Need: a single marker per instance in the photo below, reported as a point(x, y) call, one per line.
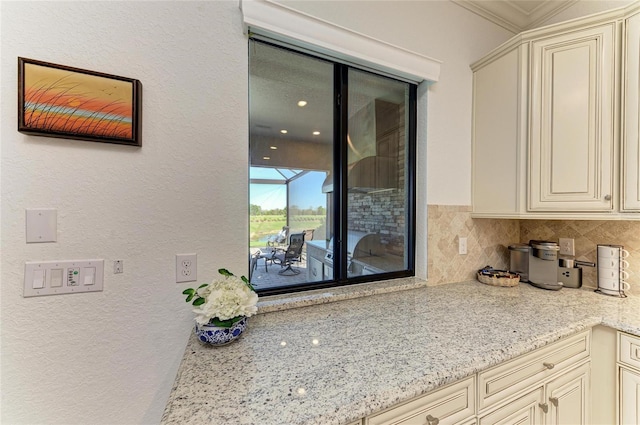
point(291, 137)
point(377, 202)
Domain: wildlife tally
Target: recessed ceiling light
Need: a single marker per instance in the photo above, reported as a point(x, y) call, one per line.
point(302, 103)
point(273, 147)
point(266, 157)
point(316, 133)
point(283, 131)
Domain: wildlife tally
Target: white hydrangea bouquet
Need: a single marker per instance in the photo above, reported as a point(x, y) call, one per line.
point(224, 301)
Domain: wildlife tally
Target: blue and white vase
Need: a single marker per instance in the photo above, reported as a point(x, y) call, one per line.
point(217, 336)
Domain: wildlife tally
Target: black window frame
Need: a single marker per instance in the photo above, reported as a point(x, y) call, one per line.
point(340, 169)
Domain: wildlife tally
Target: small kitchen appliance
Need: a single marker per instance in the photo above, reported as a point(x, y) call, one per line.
point(519, 260)
point(612, 275)
point(537, 263)
point(570, 272)
point(543, 264)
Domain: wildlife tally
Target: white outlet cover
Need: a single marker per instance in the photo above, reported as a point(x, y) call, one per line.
point(186, 268)
point(567, 246)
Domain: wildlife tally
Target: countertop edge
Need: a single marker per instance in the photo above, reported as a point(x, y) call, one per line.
point(328, 295)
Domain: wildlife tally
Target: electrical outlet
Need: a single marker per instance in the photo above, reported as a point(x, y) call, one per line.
point(567, 246)
point(186, 267)
point(118, 266)
point(462, 245)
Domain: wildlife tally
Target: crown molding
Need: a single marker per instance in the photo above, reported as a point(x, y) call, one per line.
point(511, 16)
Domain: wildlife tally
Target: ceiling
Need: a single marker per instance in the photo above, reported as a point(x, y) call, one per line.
point(516, 15)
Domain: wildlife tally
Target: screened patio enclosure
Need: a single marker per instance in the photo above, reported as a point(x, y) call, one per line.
point(283, 198)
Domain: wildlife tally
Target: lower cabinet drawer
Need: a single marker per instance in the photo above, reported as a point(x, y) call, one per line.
point(629, 350)
point(508, 378)
point(522, 411)
point(449, 405)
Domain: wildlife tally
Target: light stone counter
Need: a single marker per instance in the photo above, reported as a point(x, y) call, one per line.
point(336, 362)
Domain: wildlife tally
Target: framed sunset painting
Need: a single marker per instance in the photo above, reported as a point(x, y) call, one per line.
point(61, 101)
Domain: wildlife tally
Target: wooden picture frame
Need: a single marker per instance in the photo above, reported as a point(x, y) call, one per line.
point(71, 103)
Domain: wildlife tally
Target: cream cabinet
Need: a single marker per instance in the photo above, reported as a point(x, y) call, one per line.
point(525, 410)
point(572, 120)
point(530, 370)
point(567, 397)
point(499, 133)
point(631, 116)
point(453, 404)
point(550, 385)
point(564, 400)
point(546, 122)
point(628, 379)
point(629, 396)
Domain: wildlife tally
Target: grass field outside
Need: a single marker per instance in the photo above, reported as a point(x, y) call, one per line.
point(263, 226)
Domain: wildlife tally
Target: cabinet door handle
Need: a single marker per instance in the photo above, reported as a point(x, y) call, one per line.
point(607, 197)
point(432, 421)
point(548, 365)
point(544, 407)
point(554, 401)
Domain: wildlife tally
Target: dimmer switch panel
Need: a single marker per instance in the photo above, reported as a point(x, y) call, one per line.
point(63, 277)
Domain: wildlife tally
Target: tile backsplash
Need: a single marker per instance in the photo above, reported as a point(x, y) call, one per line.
point(587, 235)
point(487, 242)
point(488, 239)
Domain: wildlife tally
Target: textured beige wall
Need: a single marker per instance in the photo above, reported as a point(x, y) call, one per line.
point(488, 239)
point(487, 242)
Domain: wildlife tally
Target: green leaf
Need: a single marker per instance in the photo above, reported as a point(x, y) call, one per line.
point(225, 272)
point(245, 280)
point(190, 293)
point(203, 285)
point(225, 323)
point(199, 301)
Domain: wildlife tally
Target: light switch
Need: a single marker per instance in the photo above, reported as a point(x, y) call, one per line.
point(42, 225)
point(56, 278)
point(38, 279)
point(89, 276)
point(63, 277)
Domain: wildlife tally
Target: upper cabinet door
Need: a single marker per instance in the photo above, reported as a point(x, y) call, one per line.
point(631, 124)
point(572, 121)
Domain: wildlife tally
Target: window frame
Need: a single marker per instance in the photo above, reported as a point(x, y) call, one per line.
point(340, 171)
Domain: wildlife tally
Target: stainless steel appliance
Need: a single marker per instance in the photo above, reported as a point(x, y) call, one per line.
point(536, 262)
point(359, 245)
point(543, 264)
point(612, 276)
point(570, 272)
point(519, 260)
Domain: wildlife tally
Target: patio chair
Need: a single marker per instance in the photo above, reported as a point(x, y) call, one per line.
point(280, 238)
point(291, 255)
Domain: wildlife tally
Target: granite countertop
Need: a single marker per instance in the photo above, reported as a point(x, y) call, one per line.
point(336, 362)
